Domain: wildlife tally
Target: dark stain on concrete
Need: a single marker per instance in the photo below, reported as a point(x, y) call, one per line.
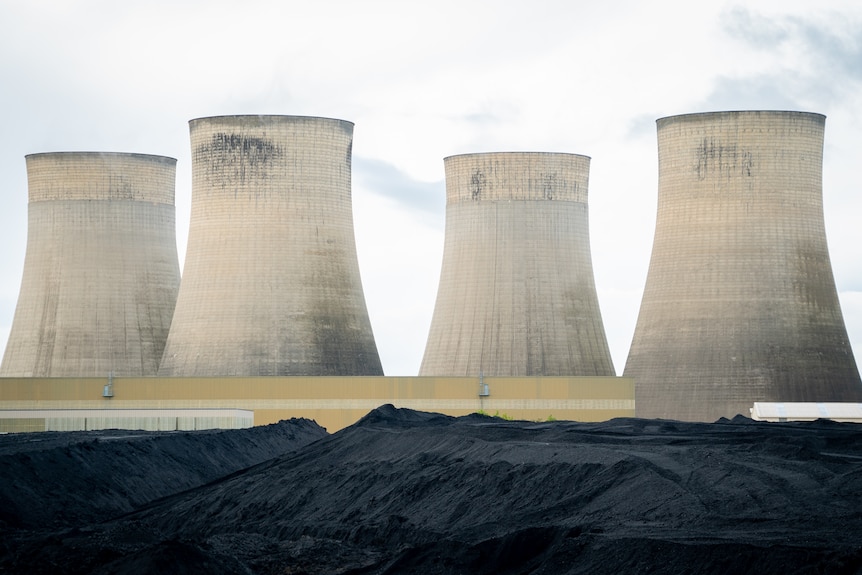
point(477, 184)
point(238, 162)
point(728, 160)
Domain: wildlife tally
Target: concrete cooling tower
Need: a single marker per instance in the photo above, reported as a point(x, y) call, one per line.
point(740, 304)
point(101, 273)
point(517, 295)
point(271, 280)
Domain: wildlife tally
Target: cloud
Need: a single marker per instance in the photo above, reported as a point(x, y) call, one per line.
point(778, 92)
point(851, 306)
point(831, 42)
point(755, 29)
point(642, 126)
point(384, 179)
point(790, 61)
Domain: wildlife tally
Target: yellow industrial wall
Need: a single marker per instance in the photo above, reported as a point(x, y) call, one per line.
point(334, 402)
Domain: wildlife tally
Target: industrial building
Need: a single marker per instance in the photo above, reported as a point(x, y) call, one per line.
point(740, 304)
point(101, 272)
point(181, 403)
point(271, 283)
point(517, 295)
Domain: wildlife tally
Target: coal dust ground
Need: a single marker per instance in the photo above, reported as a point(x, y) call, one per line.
point(410, 492)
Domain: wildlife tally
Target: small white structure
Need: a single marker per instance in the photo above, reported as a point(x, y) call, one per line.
point(843, 412)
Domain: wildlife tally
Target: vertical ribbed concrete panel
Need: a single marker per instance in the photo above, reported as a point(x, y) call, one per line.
point(271, 281)
point(517, 295)
point(101, 273)
point(740, 303)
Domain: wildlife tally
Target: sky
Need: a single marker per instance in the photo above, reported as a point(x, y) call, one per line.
point(425, 80)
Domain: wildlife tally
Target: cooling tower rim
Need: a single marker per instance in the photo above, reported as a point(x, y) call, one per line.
point(93, 154)
point(514, 153)
point(703, 115)
point(268, 117)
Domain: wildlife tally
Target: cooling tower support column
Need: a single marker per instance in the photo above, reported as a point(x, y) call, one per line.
point(517, 295)
point(101, 272)
point(740, 304)
point(271, 280)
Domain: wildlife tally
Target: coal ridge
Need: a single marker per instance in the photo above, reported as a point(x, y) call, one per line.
point(57, 479)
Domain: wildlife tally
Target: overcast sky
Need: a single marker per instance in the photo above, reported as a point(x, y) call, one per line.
point(425, 80)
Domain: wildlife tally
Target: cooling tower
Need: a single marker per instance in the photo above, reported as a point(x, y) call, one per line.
point(740, 304)
point(516, 294)
point(271, 280)
point(101, 272)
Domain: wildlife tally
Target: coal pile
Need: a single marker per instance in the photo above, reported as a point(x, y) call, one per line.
point(68, 479)
point(410, 492)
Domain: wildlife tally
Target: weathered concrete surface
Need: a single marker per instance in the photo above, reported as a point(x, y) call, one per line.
point(740, 303)
point(517, 295)
point(101, 272)
point(271, 281)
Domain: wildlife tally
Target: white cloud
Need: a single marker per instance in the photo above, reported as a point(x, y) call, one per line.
point(851, 306)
